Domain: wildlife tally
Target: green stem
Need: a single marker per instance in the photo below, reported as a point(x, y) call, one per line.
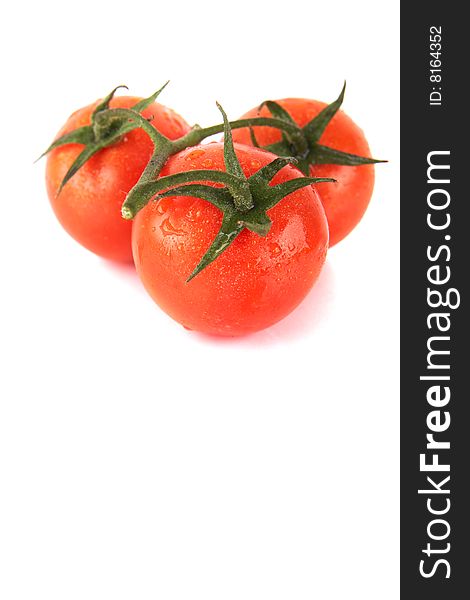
point(164, 148)
point(197, 134)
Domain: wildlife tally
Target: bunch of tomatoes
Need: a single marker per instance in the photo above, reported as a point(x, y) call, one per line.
point(227, 237)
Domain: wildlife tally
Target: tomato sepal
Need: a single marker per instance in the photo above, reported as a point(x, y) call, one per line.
point(218, 197)
point(303, 143)
point(81, 135)
point(315, 128)
point(229, 231)
point(324, 155)
point(101, 133)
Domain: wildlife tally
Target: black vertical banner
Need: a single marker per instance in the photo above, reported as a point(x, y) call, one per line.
point(435, 258)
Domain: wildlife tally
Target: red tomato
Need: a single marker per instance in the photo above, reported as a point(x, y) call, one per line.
point(89, 205)
point(345, 202)
point(257, 280)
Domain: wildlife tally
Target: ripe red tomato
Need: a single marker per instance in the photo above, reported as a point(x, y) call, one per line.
point(89, 205)
point(257, 280)
point(345, 202)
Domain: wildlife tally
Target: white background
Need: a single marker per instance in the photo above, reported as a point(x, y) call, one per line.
point(141, 461)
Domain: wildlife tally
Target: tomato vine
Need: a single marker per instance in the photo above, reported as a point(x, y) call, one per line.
point(243, 201)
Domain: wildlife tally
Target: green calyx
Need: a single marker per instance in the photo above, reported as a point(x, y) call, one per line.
point(101, 133)
point(303, 142)
point(244, 201)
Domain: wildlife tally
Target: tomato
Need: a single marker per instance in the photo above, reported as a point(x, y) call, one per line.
point(89, 205)
point(257, 280)
point(345, 202)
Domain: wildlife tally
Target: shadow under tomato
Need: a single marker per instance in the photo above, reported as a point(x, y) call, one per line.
point(300, 322)
point(125, 270)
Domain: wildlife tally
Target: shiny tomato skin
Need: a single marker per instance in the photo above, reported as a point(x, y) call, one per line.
point(89, 205)
point(255, 282)
point(345, 202)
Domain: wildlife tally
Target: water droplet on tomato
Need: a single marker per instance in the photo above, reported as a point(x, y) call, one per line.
point(195, 154)
point(168, 228)
point(275, 249)
point(193, 215)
